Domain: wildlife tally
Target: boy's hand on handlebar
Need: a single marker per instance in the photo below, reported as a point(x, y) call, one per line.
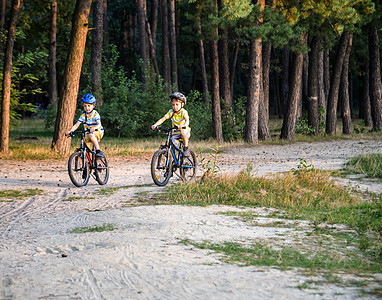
point(68, 133)
point(154, 127)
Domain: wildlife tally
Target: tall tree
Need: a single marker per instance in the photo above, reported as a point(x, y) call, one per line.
point(216, 110)
point(6, 92)
point(375, 78)
point(313, 91)
point(96, 51)
point(331, 117)
point(67, 105)
point(347, 127)
point(202, 62)
point(53, 94)
point(290, 117)
point(224, 69)
point(174, 59)
point(144, 49)
point(166, 72)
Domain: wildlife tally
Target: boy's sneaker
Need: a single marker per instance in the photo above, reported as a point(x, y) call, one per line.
point(186, 152)
point(99, 154)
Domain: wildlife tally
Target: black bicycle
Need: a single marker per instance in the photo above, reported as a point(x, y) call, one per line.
point(170, 158)
point(83, 161)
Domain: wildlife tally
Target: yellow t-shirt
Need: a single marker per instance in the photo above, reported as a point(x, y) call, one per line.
point(178, 119)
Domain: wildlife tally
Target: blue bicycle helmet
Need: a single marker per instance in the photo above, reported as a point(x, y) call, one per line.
point(89, 98)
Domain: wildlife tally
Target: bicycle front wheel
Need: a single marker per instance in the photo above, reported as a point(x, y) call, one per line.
point(102, 170)
point(78, 168)
point(188, 168)
point(161, 167)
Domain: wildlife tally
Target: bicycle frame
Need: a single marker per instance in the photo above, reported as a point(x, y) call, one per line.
point(86, 150)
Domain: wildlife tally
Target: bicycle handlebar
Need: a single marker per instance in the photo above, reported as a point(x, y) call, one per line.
point(166, 129)
point(73, 133)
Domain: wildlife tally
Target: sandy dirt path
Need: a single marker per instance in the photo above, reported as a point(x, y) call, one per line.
point(143, 258)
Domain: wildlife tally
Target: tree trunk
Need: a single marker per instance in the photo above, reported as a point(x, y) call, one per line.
point(224, 70)
point(264, 99)
point(6, 92)
point(154, 21)
point(290, 118)
point(3, 13)
point(216, 111)
point(165, 48)
point(285, 77)
point(254, 92)
point(174, 62)
point(326, 78)
point(321, 87)
point(144, 49)
point(67, 105)
point(233, 67)
point(313, 85)
point(96, 51)
point(365, 106)
point(152, 48)
point(346, 112)
point(105, 24)
point(375, 79)
point(202, 63)
point(331, 117)
point(52, 56)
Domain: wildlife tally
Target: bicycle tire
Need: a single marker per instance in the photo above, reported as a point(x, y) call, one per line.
point(102, 170)
point(188, 168)
point(78, 169)
point(161, 167)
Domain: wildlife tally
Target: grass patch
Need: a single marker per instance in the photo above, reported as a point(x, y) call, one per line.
point(95, 228)
point(369, 165)
point(304, 194)
point(260, 254)
point(10, 195)
point(110, 191)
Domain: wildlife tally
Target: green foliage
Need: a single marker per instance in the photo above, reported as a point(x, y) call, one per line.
point(233, 120)
point(209, 163)
point(10, 195)
point(367, 164)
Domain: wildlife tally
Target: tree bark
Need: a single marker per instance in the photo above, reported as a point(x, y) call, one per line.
point(152, 48)
point(331, 117)
point(6, 92)
point(96, 51)
point(365, 107)
point(326, 59)
point(144, 49)
point(264, 99)
point(216, 111)
point(165, 48)
point(67, 105)
point(52, 89)
point(154, 21)
point(321, 87)
point(3, 12)
point(202, 63)
point(285, 77)
point(290, 118)
point(224, 70)
point(254, 92)
point(375, 79)
point(347, 127)
point(313, 85)
point(233, 66)
point(174, 61)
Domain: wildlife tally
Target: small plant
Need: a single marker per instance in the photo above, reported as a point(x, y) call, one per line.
point(303, 166)
point(209, 163)
point(103, 227)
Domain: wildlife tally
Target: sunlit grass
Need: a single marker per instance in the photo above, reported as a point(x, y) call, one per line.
point(10, 195)
point(366, 164)
point(95, 228)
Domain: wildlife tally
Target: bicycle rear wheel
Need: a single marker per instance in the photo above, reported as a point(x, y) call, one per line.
point(188, 168)
point(78, 169)
point(102, 170)
point(161, 167)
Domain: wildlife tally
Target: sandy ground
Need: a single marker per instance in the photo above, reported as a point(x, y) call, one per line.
point(143, 258)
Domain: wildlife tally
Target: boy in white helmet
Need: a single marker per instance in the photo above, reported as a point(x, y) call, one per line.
point(179, 118)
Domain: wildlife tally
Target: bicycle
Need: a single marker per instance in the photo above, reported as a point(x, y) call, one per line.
point(83, 161)
point(169, 158)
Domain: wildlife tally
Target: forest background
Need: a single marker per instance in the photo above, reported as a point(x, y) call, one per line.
point(239, 63)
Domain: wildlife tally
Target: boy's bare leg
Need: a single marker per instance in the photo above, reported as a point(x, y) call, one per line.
point(94, 141)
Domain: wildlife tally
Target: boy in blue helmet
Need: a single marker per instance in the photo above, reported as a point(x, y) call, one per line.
point(92, 121)
point(179, 118)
